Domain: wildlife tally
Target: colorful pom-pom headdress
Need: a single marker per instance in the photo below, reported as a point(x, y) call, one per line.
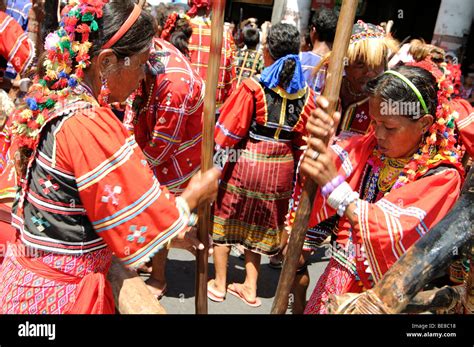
point(66, 58)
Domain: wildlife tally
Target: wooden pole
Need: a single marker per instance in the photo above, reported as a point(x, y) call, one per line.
point(331, 92)
point(35, 19)
point(469, 296)
point(204, 211)
point(130, 292)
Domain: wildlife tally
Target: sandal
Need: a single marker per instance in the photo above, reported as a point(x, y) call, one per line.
point(213, 294)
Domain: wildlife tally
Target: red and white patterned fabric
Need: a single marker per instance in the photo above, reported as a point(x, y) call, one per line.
point(57, 283)
point(199, 49)
point(88, 191)
point(15, 46)
point(335, 280)
point(169, 128)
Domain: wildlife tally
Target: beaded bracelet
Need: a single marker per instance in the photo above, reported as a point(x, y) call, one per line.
point(349, 200)
point(340, 193)
point(193, 220)
point(183, 207)
point(330, 186)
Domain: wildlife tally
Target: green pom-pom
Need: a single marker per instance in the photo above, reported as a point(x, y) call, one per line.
point(87, 17)
point(40, 119)
point(94, 26)
point(50, 103)
point(450, 124)
point(43, 83)
point(75, 13)
point(65, 44)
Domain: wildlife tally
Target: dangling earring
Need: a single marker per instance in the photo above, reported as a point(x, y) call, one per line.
point(104, 93)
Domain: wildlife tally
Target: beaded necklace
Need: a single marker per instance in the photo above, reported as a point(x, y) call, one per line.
point(390, 172)
point(382, 173)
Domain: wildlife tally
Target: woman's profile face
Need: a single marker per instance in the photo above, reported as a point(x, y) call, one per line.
point(397, 135)
point(127, 76)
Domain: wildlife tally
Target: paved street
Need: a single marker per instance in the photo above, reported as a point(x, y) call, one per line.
point(180, 273)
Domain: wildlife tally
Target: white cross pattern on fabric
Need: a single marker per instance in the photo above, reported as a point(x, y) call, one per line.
point(137, 234)
point(111, 194)
point(361, 117)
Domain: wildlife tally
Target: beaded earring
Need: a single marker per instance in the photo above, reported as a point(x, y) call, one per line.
point(104, 93)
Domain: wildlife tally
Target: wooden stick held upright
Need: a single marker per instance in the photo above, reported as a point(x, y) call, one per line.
point(331, 92)
point(204, 211)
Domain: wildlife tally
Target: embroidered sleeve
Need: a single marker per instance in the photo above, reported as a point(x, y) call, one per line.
point(235, 117)
point(15, 45)
point(465, 124)
point(124, 202)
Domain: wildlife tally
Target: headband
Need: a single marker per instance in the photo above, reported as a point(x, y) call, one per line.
point(137, 10)
point(412, 86)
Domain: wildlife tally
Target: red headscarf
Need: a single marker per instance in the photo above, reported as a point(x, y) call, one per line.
point(197, 5)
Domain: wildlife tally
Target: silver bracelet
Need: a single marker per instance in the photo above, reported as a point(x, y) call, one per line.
point(349, 200)
point(341, 193)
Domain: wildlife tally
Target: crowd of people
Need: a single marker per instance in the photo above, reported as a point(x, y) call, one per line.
point(101, 145)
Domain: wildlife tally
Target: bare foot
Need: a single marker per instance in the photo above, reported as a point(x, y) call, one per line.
point(213, 284)
point(248, 295)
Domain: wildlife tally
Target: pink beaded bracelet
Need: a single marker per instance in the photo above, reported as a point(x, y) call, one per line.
point(330, 186)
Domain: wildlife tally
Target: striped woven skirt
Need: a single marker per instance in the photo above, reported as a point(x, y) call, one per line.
point(335, 280)
point(253, 196)
point(55, 283)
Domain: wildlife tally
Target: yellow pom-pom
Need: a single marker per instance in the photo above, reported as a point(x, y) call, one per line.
point(26, 114)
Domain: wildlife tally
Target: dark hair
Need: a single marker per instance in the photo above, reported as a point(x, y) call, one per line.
point(137, 38)
point(390, 87)
point(251, 37)
point(182, 31)
point(181, 35)
point(324, 21)
point(50, 21)
point(284, 39)
point(162, 11)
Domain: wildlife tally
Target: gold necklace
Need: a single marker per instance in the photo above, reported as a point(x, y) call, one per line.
point(150, 96)
point(390, 172)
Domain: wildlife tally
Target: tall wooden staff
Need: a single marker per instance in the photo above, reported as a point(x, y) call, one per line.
point(204, 211)
point(35, 20)
point(331, 92)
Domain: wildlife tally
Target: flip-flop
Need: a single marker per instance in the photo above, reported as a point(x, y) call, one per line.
point(213, 294)
point(241, 296)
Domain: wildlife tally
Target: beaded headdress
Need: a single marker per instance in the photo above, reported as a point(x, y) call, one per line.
point(363, 31)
